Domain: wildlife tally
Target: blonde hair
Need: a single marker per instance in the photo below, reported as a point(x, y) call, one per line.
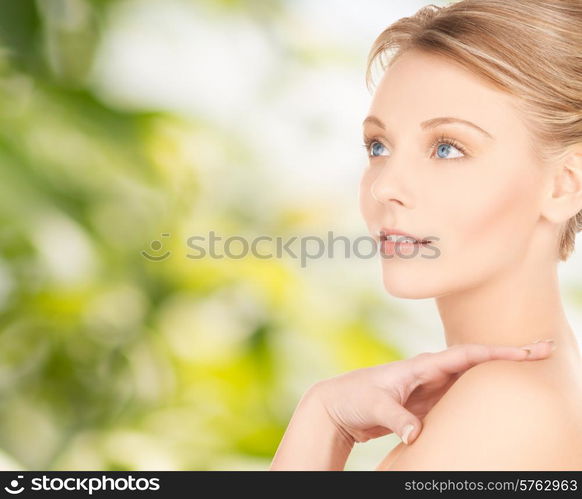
point(530, 49)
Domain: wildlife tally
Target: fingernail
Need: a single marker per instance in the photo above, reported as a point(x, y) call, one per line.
point(406, 432)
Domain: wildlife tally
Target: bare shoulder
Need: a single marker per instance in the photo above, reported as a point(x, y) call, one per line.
point(499, 415)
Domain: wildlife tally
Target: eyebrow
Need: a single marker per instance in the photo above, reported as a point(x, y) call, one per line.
point(432, 123)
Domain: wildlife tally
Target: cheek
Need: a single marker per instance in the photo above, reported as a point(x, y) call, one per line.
point(366, 201)
point(497, 214)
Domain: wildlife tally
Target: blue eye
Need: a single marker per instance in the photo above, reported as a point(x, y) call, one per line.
point(373, 148)
point(444, 148)
point(376, 148)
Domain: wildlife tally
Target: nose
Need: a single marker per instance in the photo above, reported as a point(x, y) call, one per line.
point(389, 187)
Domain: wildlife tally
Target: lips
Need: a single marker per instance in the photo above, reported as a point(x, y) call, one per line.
point(399, 236)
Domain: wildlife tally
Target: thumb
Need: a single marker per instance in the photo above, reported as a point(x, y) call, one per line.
point(405, 424)
point(409, 432)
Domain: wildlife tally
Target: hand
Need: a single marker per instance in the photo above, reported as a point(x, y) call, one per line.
point(375, 401)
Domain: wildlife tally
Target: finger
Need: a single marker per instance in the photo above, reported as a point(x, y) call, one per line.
point(459, 358)
point(539, 349)
point(390, 414)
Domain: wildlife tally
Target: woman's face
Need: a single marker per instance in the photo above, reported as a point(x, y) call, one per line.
point(478, 200)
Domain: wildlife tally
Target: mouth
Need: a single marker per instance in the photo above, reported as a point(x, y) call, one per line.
point(401, 238)
point(397, 239)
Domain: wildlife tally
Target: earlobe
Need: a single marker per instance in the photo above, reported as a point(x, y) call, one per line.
point(564, 198)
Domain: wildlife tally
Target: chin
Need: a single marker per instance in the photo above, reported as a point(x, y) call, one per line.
point(409, 285)
point(408, 290)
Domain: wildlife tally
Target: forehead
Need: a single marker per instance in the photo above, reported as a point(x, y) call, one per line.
point(420, 86)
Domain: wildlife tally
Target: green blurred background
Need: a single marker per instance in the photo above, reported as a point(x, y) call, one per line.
point(121, 121)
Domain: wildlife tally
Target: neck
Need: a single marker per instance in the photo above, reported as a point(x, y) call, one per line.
point(513, 308)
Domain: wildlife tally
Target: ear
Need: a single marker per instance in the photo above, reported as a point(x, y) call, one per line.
point(564, 198)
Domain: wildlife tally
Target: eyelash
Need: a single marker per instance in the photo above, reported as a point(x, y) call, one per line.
point(441, 139)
